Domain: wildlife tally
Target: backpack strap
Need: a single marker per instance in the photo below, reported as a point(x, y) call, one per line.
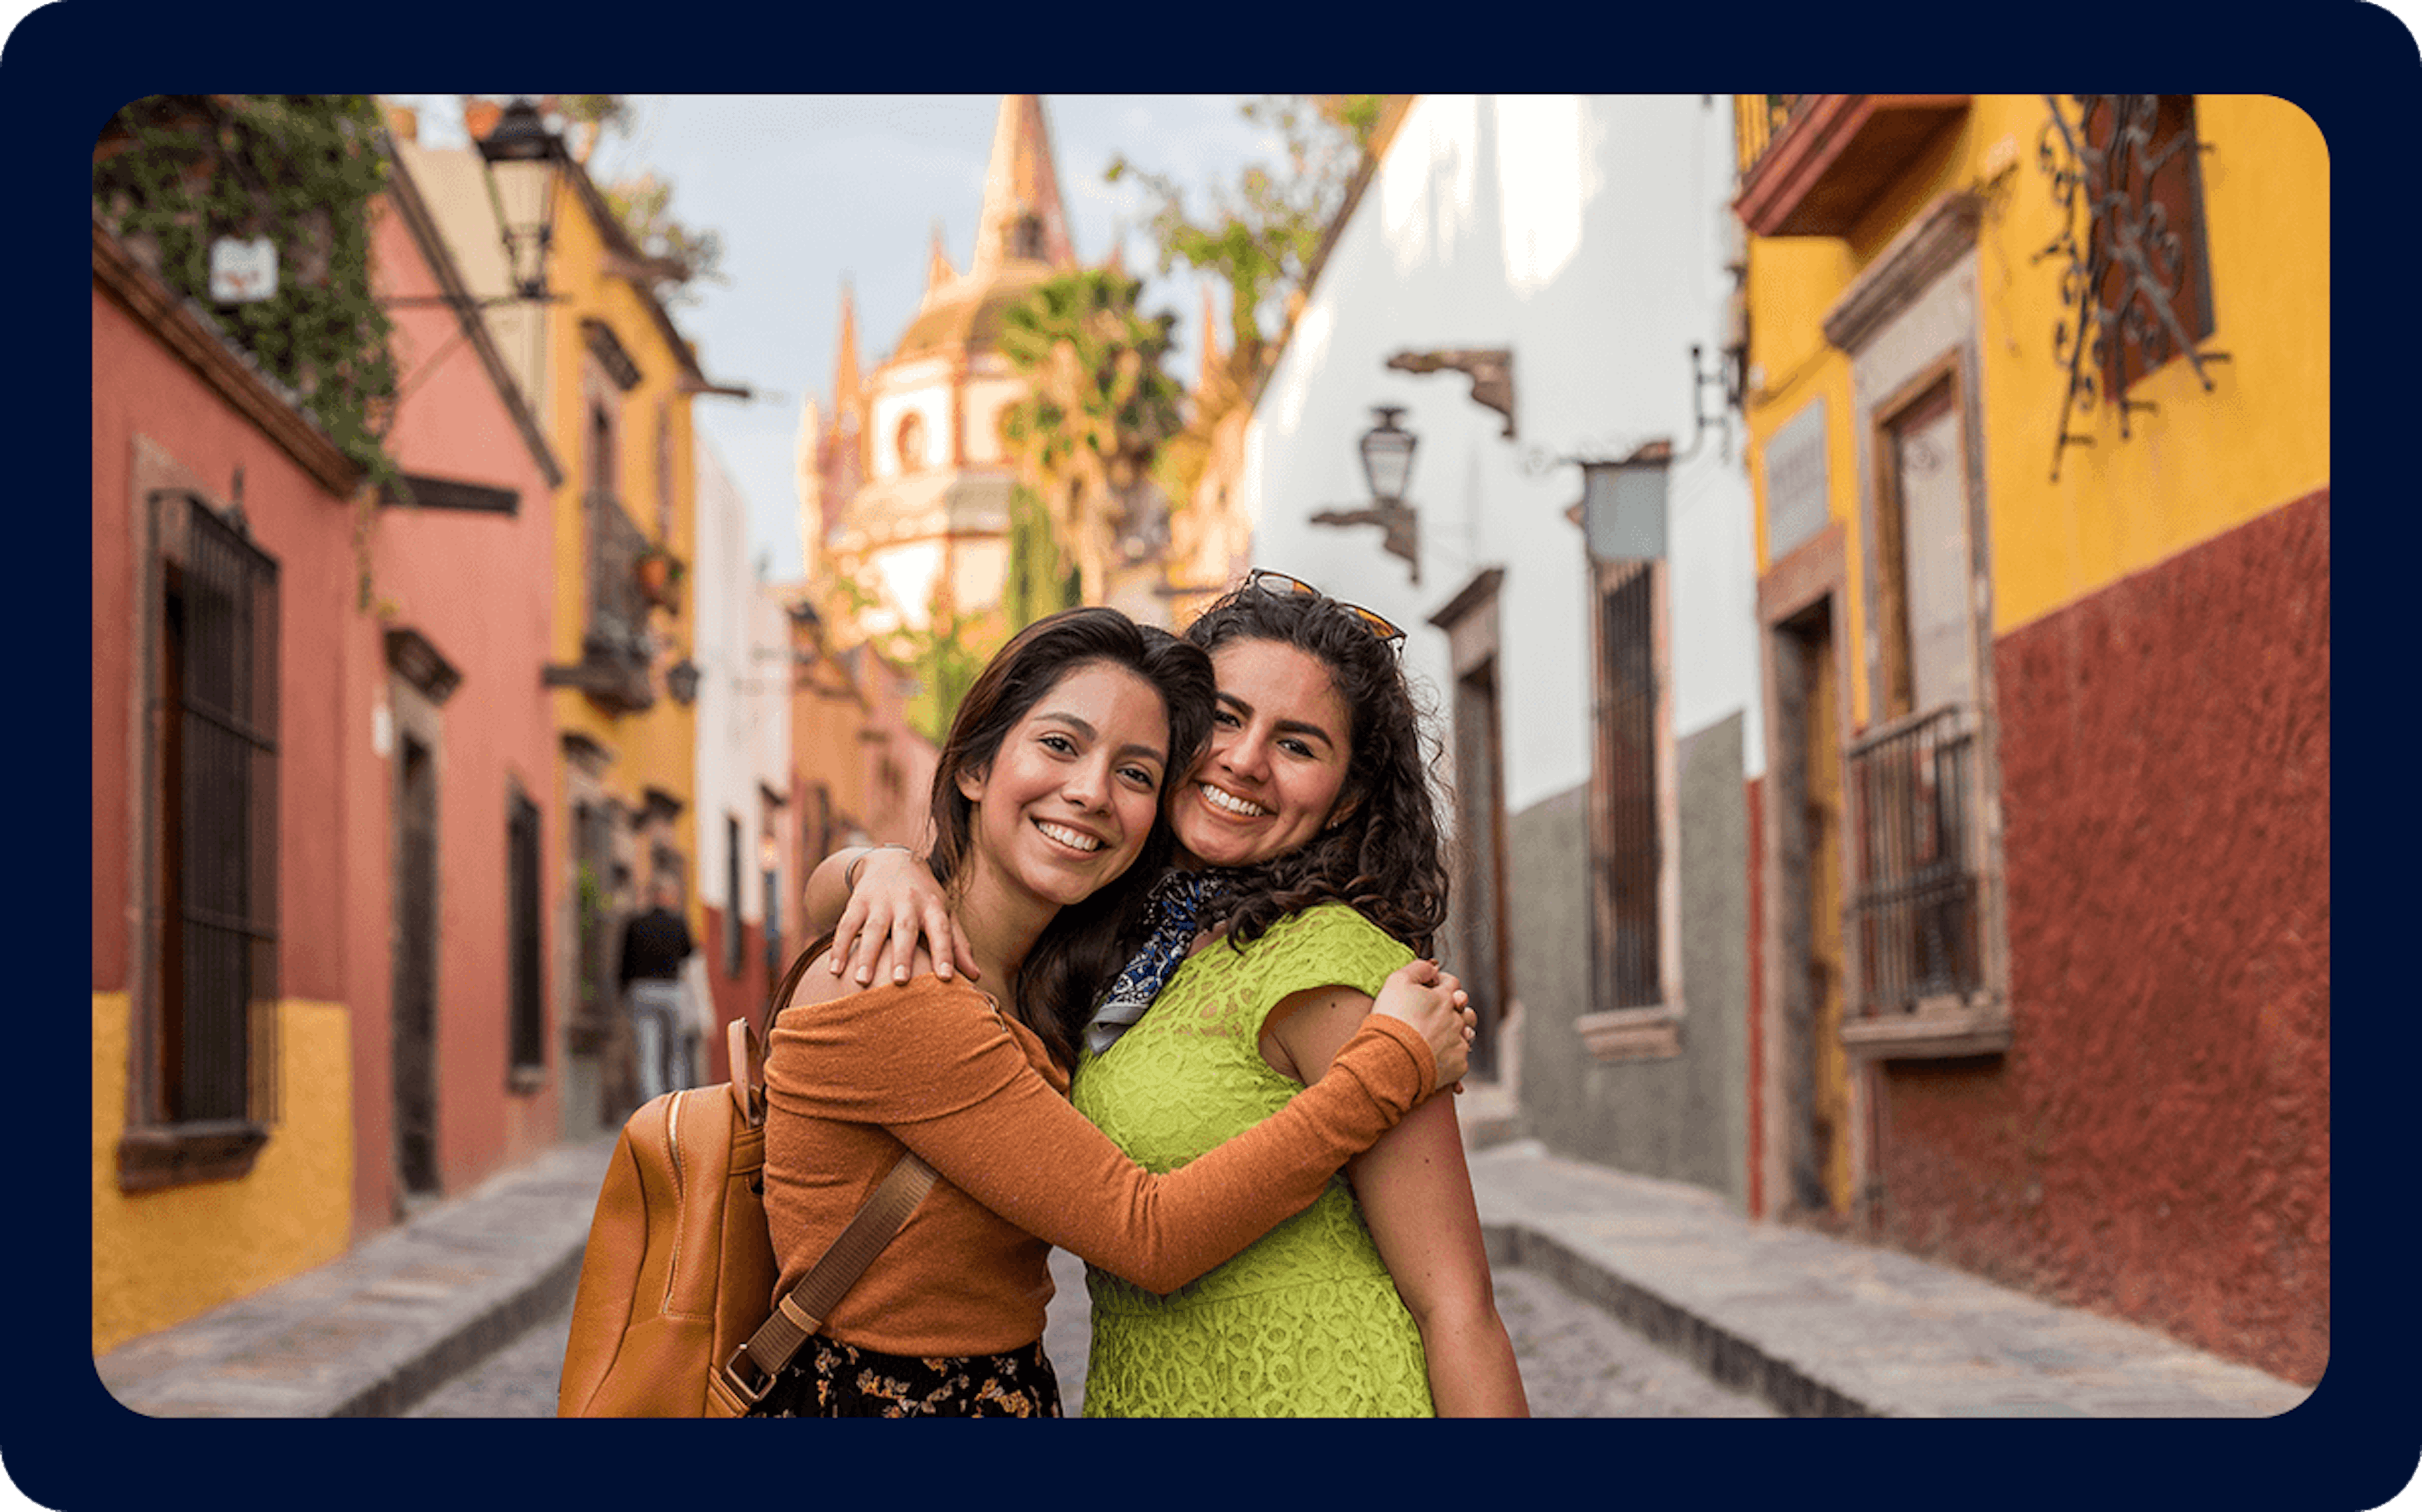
point(747, 1073)
point(803, 1310)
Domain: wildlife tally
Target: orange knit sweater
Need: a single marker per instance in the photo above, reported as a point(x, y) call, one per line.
point(935, 1067)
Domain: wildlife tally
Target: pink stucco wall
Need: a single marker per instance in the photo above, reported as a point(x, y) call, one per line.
point(479, 587)
point(143, 390)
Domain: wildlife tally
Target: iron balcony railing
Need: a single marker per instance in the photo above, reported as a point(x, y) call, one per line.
point(1758, 120)
point(615, 650)
point(617, 617)
point(1914, 913)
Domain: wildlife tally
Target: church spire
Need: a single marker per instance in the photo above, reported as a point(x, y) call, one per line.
point(938, 272)
point(1022, 215)
point(846, 373)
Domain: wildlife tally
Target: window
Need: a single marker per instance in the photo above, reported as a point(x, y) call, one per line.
point(528, 1044)
point(206, 1069)
point(664, 470)
point(773, 960)
point(2147, 236)
point(1915, 780)
point(1625, 864)
point(732, 930)
point(1914, 916)
point(912, 442)
point(1477, 902)
point(1631, 851)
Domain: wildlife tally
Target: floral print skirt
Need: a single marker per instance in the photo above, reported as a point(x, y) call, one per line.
point(829, 1378)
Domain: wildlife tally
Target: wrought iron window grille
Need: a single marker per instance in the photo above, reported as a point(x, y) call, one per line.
point(1915, 906)
point(2125, 265)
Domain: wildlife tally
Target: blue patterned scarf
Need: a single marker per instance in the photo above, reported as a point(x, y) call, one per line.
point(1173, 914)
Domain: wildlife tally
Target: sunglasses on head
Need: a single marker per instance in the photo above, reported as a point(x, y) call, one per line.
point(1286, 587)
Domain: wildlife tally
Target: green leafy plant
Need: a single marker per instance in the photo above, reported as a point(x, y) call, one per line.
point(173, 173)
point(1040, 579)
point(1097, 407)
point(944, 657)
point(1261, 236)
point(684, 257)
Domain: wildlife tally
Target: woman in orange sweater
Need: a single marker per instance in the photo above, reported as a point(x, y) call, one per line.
point(1047, 794)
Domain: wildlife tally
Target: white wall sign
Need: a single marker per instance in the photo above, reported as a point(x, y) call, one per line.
point(1795, 480)
point(243, 272)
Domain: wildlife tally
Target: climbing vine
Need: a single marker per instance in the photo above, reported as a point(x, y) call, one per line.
point(173, 173)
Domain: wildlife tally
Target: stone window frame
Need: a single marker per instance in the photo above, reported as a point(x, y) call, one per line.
point(1908, 325)
point(1637, 1032)
point(154, 1152)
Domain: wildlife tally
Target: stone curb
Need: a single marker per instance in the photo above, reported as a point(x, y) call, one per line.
point(373, 1332)
point(1820, 1327)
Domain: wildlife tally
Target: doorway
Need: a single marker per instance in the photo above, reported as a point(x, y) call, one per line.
point(1817, 1110)
point(1480, 825)
point(415, 1013)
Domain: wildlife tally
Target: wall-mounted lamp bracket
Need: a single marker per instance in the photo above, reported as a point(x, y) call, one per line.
point(1490, 369)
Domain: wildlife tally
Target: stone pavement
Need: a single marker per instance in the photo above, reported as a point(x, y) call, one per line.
point(1810, 1325)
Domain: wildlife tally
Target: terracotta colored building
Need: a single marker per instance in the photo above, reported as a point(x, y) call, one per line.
point(223, 1147)
point(2043, 601)
point(466, 1076)
point(612, 380)
point(320, 785)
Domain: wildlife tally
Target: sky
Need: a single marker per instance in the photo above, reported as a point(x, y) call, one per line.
point(810, 191)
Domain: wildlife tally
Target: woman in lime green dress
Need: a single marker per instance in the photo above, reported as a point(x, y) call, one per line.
point(1309, 870)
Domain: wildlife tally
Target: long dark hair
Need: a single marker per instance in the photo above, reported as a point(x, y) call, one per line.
point(1081, 946)
point(1384, 858)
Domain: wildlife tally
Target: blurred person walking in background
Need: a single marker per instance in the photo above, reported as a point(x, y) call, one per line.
point(654, 945)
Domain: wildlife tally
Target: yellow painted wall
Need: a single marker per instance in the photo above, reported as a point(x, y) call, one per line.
point(159, 1257)
point(657, 746)
point(2201, 464)
point(2204, 463)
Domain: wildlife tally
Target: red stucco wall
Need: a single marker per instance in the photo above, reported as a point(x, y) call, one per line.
point(2155, 1143)
point(734, 997)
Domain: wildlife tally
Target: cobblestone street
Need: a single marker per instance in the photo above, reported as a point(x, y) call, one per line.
point(1576, 1361)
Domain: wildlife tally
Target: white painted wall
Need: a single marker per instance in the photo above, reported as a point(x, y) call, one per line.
point(1588, 235)
point(742, 651)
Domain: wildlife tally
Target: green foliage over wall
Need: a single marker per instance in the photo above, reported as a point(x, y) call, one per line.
point(1041, 577)
point(173, 173)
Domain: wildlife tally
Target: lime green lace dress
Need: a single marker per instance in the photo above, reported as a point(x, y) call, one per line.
point(1304, 1323)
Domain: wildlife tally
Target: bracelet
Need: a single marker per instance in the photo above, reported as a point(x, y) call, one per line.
point(849, 873)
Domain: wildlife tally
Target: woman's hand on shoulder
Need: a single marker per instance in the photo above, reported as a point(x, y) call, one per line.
point(895, 903)
point(1307, 1029)
point(824, 987)
point(1434, 1002)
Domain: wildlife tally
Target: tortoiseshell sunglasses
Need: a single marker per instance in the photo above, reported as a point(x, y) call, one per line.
point(1278, 583)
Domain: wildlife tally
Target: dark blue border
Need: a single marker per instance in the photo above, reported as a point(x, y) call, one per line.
point(2352, 67)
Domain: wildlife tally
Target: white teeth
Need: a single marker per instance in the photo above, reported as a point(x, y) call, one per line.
point(1069, 837)
point(1221, 799)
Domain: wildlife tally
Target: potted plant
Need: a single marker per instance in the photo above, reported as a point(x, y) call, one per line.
point(660, 577)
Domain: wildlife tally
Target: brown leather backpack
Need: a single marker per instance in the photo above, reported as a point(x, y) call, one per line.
point(676, 1315)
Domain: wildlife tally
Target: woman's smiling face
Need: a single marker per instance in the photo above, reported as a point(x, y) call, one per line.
point(1068, 801)
point(1282, 740)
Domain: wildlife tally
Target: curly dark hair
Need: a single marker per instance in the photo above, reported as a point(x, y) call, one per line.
point(1083, 943)
point(1385, 858)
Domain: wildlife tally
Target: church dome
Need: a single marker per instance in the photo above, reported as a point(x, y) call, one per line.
point(969, 316)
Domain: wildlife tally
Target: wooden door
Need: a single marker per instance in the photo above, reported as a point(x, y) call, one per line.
point(1816, 1089)
point(415, 1009)
point(1480, 825)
